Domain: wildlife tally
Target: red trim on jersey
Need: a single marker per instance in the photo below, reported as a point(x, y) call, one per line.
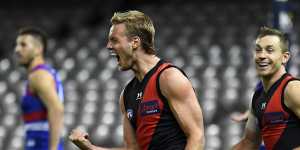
point(271, 132)
point(41, 115)
point(146, 124)
point(28, 91)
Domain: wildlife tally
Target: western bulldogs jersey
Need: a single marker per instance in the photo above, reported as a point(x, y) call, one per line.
point(37, 133)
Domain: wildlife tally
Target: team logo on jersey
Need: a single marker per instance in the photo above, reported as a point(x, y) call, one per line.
point(274, 118)
point(129, 113)
point(149, 107)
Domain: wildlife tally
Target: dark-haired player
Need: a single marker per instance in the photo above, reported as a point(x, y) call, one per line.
point(42, 103)
point(274, 115)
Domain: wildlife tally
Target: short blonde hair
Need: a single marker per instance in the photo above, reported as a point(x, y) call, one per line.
point(137, 24)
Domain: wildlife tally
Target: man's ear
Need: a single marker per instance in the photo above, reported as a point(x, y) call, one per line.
point(286, 57)
point(136, 42)
point(39, 47)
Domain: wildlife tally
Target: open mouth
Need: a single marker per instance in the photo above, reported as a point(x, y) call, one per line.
point(17, 55)
point(262, 64)
point(115, 55)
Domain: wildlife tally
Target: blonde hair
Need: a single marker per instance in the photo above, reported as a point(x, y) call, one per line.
point(137, 24)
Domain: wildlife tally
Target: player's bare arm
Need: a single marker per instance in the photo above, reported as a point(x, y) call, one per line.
point(251, 139)
point(184, 105)
point(43, 84)
point(80, 138)
point(292, 96)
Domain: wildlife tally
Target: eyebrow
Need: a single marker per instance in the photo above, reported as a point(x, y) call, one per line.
point(267, 46)
point(257, 45)
point(112, 38)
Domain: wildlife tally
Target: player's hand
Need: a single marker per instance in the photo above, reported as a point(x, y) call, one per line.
point(80, 139)
point(240, 117)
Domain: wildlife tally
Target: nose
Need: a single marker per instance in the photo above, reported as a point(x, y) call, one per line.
point(17, 49)
point(261, 55)
point(108, 45)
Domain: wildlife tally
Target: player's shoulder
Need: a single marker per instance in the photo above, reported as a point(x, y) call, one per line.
point(292, 95)
point(40, 75)
point(172, 76)
point(293, 86)
point(171, 72)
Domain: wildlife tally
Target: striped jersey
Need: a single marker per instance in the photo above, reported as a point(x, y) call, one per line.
point(150, 115)
point(37, 133)
point(279, 126)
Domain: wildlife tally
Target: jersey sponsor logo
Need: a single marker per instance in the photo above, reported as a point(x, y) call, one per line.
point(130, 114)
point(149, 107)
point(274, 118)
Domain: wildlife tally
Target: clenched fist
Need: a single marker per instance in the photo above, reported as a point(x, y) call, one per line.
point(80, 139)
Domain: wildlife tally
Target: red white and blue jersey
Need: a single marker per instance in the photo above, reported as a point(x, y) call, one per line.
point(150, 115)
point(36, 124)
point(279, 126)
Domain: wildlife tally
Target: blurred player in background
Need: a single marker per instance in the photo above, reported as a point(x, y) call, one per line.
point(42, 104)
point(274, 114)
point(160, 108)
